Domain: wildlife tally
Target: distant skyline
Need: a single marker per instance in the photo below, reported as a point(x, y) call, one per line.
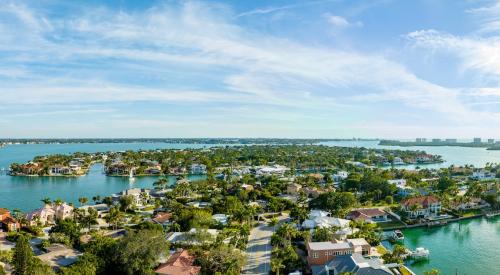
point(286, 69)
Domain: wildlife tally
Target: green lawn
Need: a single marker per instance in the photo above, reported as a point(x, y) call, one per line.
point(390, 224)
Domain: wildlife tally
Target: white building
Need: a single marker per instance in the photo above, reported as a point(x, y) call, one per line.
point(271, 170)
point(340, 176)
point(483, 175)
point(320, 219)
point(221, 218)
point(398, 161)
point(198, 169)
point(403, 189)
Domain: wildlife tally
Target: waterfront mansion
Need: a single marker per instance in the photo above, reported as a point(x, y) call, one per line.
point(421, 207)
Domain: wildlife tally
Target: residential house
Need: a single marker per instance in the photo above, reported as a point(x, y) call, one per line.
point(221, 218)
point(319, 253)
point(313, 192)
point(483, 175)
point(179, 263)
point(188, 238)
point(424, 158)
point(163, 219)
point(198, 169)
point(58, 256)
point(421, 207)
point(352, 264)
point(403, 189)
point(340, 176)
point(138, 194)
point(293, 188)
point(247, 187)
point(7, 222)
point(472, 203)
point(58, 170)
point(398, 161)
point(152, 167)
point(318, 219)
point(49, 213)
point(278, 170)
point(118, 168)
point(368, 215)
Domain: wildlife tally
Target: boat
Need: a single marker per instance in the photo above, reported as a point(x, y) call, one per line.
point(419, 253)
point(491, 215)
point(131, 175)
point(397, 236)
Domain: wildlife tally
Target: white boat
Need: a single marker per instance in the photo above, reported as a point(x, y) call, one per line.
point(420, 253)
point(398, 236)
point(131, 175)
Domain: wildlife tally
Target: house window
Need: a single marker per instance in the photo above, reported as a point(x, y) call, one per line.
point(315, 255)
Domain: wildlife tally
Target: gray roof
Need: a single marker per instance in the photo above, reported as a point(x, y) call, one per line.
point(354, 263)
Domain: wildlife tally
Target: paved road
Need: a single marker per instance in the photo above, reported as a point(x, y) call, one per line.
point(259, 250)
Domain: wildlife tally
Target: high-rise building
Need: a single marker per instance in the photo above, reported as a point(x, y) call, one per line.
point(477, 140)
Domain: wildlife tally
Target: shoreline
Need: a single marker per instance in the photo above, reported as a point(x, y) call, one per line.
point(452, 220)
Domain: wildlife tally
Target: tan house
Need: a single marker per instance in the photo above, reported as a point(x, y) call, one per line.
point(421, 207)
point(319, 253)
point(293, 188)
point(49, 213)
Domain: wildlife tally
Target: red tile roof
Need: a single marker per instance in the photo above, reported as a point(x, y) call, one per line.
point(162, 217)
point(425, 201)
point(180, 263)
point(4, 211)
point(368, 212)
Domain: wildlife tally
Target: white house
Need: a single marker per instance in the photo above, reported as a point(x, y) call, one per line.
point(320, 219)
point(340, 175)
point(398, 161)
point(221, 218)
point(198, 169)
point(483, 175)
point(403, 189)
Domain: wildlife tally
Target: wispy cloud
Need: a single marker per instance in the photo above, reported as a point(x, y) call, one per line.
point(195, 54)
point(341, 22)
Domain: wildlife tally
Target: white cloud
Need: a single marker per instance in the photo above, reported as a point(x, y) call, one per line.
point(341, 22)
point(476, 53)
point(242, 66)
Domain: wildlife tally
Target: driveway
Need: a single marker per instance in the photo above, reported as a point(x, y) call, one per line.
point(259, 250)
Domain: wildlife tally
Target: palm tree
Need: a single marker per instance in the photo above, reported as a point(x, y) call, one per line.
point(89, 219)
point(58, 202)
point(96, 199)
point(161, 183)
point(83, 200)
point(115, 217)
point(277, 265)
point(46, 201)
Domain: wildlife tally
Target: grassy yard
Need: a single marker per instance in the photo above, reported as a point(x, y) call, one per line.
point(390, 224)
point(381, 249)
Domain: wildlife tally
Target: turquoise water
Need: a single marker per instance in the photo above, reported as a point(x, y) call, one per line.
point(451, 154)
point(465, 247)
point(25, 193)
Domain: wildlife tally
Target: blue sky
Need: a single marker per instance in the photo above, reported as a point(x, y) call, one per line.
point(250, 68)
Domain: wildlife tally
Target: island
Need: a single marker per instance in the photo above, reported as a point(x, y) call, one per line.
point(476, 143)
point(300, 158)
